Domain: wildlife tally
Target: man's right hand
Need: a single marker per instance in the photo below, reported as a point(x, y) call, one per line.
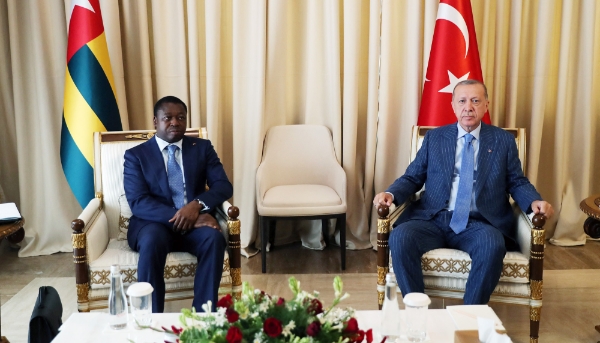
point(383, 198)
point(205, 219)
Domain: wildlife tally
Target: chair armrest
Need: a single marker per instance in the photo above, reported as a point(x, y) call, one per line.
point(232, 230)
point(524, 227)
point(95, 229)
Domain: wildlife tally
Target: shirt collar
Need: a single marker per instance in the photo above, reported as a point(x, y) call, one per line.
point(474, 133)
point(162, 144)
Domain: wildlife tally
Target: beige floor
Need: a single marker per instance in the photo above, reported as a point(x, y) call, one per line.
point(571, 279)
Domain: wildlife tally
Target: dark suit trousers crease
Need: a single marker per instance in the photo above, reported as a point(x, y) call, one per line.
point(484, 244)
point(155, 241)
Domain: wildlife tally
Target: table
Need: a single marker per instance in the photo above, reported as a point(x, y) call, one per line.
point(93, 327)
point(13, 232)
point(591, 207)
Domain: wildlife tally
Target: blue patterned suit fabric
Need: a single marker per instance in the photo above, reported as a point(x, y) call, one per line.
point(175, 177)
point(460, 217)
point(499, 174)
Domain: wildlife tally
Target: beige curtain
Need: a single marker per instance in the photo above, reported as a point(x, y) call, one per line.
point(356, 66)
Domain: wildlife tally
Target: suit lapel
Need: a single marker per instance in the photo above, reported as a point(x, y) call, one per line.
point(448, 149)
point(486, 150)
point(160, 171)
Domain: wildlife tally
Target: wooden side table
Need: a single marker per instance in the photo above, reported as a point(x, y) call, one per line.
point(13, 232)
point(591, 207)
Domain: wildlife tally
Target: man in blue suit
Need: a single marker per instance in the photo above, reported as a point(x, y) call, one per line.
point(165, 182)
point(469, 169)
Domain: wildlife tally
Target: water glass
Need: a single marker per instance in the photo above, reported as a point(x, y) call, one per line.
point(416, 305)
point(140, 300)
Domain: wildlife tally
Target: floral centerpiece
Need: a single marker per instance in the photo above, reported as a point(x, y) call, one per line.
point(258, 317)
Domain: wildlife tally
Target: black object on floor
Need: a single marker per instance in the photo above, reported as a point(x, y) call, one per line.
point(46, 317)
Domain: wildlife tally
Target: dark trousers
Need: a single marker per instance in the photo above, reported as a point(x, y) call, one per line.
point(483, 242)
point(155, 241)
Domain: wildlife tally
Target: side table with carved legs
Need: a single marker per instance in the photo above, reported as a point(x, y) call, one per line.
point(13, 232)
point(591, 226)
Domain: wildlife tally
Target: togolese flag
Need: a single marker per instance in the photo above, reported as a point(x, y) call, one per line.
point(90, 102)
point(454, 57)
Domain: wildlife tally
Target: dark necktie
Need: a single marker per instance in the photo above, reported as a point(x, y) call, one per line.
point(175, 177)
point(462, 207)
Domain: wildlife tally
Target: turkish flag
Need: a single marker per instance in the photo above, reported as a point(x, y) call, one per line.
point(454, 57)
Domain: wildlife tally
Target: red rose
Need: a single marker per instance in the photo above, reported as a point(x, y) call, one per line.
point(315, 307)
point(225, 301)
point(234, 335)
point(352, 326)
point(314, 328)
point(280, 301)
point(232, 315)
point(272, 327)
point(369, 334)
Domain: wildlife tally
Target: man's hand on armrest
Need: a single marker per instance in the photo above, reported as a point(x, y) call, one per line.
point(205, 219)
point(186, 217)
point(383, 198)
point(543, 207)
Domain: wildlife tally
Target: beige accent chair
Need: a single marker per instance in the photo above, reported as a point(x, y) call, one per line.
point(299, 177)
point(445, 271)
point(100, 232)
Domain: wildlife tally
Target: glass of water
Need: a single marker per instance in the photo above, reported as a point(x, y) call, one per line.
point(140, 300)
point(416, 305)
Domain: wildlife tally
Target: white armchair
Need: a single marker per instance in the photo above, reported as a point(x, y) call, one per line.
point(99, 233)
point(445, 271)
point(299, 177)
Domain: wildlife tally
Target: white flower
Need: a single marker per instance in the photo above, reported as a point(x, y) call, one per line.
point(207, 307)
point(264, 306)
point(345, 296)
point(287, 330)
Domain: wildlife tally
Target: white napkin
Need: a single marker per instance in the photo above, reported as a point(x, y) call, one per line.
point(488, 333)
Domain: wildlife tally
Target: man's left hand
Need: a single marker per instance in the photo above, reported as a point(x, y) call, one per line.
point(543, 207)
point(186, 217)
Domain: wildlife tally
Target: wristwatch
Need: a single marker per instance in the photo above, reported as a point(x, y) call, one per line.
point(204, 207)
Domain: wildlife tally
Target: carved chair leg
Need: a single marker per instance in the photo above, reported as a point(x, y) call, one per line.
point(264, 238)
point(235, 263)
point(383, 251)
point(534, 323)
point(81, 267)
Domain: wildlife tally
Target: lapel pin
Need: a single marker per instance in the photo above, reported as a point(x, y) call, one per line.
point(195, 144)
point(489, 150)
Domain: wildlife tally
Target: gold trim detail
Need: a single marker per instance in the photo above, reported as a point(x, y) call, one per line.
point(141, 136)
point(513, 270)
point(382, 244)
point(536, 289)
point(101, 277)
point(381, 273)
point(234, 227)
point(538, 236)
point(535, 313)
point(236, 276)
point(383, 225)
point(82, 292)
point(380, 296)
point(533, 340)
point(180, 270)
point(78, 240)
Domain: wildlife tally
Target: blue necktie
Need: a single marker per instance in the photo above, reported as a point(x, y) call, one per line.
point(462, 207)
point(175, 177)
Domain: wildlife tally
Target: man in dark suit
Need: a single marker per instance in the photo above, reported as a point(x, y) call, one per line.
point(165, 182)
point(469, 169)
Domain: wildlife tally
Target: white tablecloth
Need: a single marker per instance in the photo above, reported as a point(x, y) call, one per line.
point(93, 327)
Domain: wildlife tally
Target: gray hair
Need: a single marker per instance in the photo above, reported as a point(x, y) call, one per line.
point(471, 82)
